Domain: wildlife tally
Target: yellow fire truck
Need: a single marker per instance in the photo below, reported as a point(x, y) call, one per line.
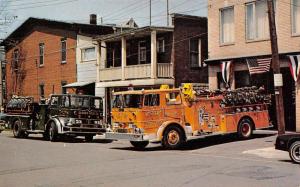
point(173, 116)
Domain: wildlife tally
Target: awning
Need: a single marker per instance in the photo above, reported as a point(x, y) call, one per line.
point(77, 84)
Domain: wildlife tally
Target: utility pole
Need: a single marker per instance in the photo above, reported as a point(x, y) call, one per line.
point(168, 13)
point(276, 69)
point(150, 11)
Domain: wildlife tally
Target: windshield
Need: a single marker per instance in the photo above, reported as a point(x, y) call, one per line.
point(70, 101)
point(96, 103)
point(127, 101)
point(79, 102)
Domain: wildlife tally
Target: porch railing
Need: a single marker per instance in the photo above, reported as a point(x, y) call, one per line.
point(142, 71)
point(164, 70)
point(138, 71)
point(111, 74)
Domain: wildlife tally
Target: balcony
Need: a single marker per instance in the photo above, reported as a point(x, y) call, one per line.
point(143, 71)
point(110, 74)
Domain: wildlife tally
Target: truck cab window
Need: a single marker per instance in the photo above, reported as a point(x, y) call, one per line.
point(173, 98)
point(132, 101)
point(96, 103)
point(54, 101)
point(151, 100)
point(117, 102)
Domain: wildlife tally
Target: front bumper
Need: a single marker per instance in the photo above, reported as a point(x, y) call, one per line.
point(281, 144)
point(83, 130)
point(125, 136)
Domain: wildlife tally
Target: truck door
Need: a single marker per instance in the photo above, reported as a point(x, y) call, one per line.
point(153, 115)
point(173, 109)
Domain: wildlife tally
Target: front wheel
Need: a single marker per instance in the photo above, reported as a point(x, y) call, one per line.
point(53, 134)
point(295, 152)
point(173, 138)
point(245, 129)
point(139, 144)
point(17, 129)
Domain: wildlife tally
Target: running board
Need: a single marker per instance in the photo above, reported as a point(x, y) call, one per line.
point(35, 131)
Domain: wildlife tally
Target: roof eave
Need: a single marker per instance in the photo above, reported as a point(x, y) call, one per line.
point(131, 32)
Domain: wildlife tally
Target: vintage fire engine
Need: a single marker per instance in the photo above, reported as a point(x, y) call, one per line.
point(173, 116)
point(65, 114)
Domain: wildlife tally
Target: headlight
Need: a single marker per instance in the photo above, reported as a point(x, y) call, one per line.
point(115, 125)
point(78, 121)
point(138, 131)
point(132, 126)
point(70, 121)
point(97, 122)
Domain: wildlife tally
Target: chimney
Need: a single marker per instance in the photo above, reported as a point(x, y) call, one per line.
point(93, 19)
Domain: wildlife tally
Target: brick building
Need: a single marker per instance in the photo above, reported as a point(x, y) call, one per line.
point(239, 30)
point(147, 57)
point(41, 56)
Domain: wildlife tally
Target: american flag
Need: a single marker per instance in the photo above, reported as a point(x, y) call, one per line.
point(295, 66)
point(257, 66)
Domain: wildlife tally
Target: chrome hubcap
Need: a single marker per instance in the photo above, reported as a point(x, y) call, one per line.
point(50, 133)
point(173, 137)
point(296, 152)
point(246, 129)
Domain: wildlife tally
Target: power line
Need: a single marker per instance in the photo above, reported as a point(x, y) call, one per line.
point(24, 4)
point(45, 5)
point(132, 9)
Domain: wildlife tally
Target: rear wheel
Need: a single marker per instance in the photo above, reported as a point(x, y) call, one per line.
point(53, 134)
point(139, 144)
point(294, 151)
point(17, 129)
point(173, 138)
point(245, 129)
point(89, 138)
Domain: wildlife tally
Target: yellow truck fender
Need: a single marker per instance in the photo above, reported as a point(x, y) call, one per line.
point(162, 128)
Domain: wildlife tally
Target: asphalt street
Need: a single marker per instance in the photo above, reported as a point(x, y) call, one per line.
point(216, 161)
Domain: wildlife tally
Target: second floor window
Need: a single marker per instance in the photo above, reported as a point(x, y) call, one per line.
point(88, 54)
point(63, 50)
point(160, 45)
point(227, 25)
point(63, 89)
point(195, 52)
point(42, 90)
point(142, 52)
point(41, 49)
point(257, 22)
point(296, 17)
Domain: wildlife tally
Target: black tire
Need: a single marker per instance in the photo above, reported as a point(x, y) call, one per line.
point(294, 152)
point(139, 144)
point(53, 134)
point(17, 129)
point(46, 135)
point(245, 128)
point(89, 138)
point(173, 138)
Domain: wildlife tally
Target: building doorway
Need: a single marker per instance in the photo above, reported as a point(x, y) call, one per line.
point(289, 98)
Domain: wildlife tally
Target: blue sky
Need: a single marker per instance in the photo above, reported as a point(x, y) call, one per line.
point(112, 11)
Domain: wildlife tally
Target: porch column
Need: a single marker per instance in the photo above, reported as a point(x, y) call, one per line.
point(98, 61)
point(297, 104)
point(103, 55)
point(124, 57)
point(212, 77)
point(153, 55)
